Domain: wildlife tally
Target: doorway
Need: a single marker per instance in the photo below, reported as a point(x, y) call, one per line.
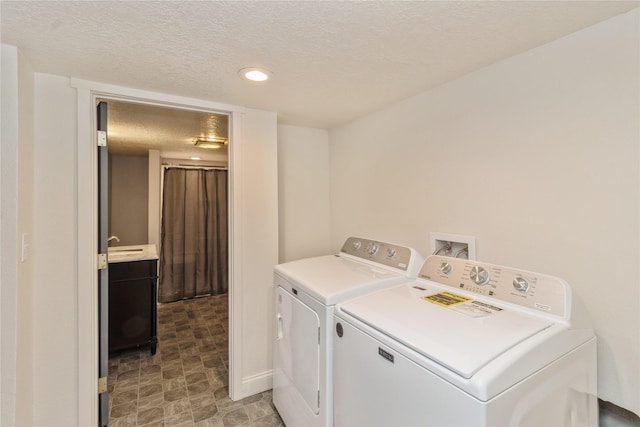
point(253, 205)
point(193, 337)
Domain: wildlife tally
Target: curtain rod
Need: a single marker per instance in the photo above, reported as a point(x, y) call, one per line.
point(178, 165)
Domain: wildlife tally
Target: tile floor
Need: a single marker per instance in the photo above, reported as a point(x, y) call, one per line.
point(185, 383)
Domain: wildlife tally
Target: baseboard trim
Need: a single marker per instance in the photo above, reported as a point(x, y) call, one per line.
point(255, 384)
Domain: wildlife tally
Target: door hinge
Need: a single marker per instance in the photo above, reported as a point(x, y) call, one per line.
point(102, 138)
point(102, 385)
point(102, 261)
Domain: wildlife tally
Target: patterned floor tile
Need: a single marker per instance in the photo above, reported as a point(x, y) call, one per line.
point(185, 384)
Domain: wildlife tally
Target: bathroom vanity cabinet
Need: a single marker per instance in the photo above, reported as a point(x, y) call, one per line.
point(132, 304)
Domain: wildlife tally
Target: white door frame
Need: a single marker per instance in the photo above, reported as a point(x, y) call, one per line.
point(87, 94)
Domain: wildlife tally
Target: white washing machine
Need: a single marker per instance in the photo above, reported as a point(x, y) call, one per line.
point(466, 344)
point(306, 292)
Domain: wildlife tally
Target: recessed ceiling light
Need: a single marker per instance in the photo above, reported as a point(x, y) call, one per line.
point(255, 74)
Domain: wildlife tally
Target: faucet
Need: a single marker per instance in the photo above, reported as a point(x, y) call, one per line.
point(112, 238)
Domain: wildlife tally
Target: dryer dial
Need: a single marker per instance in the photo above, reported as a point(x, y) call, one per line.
point(391, 253)
point(372, 248)
point(479, 275)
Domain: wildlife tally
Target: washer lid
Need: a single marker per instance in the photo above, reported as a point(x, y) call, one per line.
point(332, 278)
point(450, 328)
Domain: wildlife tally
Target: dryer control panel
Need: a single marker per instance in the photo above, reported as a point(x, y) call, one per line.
point(539, 292)
point(388, 254)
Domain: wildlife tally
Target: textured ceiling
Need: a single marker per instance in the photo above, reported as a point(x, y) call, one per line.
point(332, 61)
point(134, 129)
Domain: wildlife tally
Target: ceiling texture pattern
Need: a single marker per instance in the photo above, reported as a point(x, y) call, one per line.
point(332, 61)
point(134, 129)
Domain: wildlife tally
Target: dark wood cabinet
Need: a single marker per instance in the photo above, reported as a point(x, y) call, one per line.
point(132, 305)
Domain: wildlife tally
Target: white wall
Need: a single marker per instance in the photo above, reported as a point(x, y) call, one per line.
point(55, 346)
point(16, 154)
point(303, 188)
point(538, 157)
point(256, 200)
point(8, 232)
point(26, 226)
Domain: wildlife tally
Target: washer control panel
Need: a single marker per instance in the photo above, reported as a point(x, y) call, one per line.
point(536, 291)
point(388, 254)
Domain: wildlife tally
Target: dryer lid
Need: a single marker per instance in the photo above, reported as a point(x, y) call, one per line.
point(453, 329)
point(331, 279)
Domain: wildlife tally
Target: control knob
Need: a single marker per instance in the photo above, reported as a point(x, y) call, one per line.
point(445, 268)
point(357, 245)
point(372, 249)
point(520, 284)
point(479, 275)
point(391, 253)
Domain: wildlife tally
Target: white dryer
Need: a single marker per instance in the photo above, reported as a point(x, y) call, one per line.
point(305, 294)
point(466, 344)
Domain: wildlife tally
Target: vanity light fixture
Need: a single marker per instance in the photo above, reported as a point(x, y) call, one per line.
point(194, 158)
point(255, 74)
point(210, 142)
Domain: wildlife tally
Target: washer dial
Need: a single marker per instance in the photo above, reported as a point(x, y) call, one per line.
point(479, 275)
point(391, 253)
point(521, 284)
point(445, 268)
point(357, 245)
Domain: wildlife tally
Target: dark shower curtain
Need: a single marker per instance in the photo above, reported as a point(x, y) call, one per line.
point(194, 241)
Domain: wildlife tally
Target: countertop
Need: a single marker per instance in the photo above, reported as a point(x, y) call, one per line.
point(132, 253)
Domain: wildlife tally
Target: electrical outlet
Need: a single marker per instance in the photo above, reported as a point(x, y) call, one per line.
point(453, 245)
